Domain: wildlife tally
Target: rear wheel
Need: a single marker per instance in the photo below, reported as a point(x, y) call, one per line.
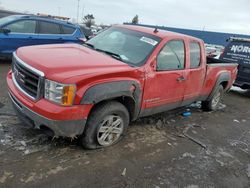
point(213, 103)
point(106, 125)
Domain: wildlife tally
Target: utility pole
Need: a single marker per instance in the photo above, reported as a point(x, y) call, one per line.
point(78, 7)
point(83, 7)
point(59, 11)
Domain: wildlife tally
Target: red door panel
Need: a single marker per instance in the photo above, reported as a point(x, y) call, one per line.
point(162, 88)
point(196, 71)
point(194, 83)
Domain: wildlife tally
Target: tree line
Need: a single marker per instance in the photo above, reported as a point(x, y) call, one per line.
point(89, 20)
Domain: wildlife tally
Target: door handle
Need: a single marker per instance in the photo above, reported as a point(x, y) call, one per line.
point(181, 79)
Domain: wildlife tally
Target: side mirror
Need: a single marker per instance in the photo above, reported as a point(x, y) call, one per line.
point(5, 30)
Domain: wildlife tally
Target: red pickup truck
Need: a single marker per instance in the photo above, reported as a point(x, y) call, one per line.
point(94, 90)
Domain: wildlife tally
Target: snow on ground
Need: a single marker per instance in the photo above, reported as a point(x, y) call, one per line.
point(234, 88)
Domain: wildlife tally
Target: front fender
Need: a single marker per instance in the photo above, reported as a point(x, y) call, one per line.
point(114, 89)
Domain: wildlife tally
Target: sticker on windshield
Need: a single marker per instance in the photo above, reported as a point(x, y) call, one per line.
point(149, 41)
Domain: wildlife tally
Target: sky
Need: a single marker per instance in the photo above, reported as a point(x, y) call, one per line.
point(211, 15)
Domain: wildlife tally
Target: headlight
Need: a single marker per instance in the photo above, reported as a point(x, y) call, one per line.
point(63, 94)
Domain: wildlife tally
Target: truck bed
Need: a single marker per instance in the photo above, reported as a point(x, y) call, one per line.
point(211, 60)
point(214, 69)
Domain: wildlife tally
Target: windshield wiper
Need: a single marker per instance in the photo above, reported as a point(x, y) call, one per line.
point(116, 56)
point(112, 54)
point(89, 45)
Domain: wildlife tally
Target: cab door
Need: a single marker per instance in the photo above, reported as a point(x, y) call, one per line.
point(164, 86)
point(196, 72)
point(22, 33)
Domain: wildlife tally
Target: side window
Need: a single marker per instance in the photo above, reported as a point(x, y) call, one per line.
point(172, 56)
point(49, 28)
point(195, 55)
point(24, 26)
point(68, 30)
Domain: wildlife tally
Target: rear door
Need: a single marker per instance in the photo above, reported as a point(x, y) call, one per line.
point(195, 72)
point(71, 34)
point(164, 87)
point(49, 33)
point(22, 33)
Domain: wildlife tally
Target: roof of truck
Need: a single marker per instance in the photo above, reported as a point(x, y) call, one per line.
point(160, 33)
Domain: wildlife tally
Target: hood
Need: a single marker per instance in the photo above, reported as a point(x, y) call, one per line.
point(60, 62)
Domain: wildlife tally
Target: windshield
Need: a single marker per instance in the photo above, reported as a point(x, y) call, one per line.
point(7, 19)
point(132, 47)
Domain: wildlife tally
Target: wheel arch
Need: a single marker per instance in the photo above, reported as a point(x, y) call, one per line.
point(126, 92)
point(223, 79)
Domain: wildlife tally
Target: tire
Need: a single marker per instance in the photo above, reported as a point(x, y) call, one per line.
point(106, 126)
point(213, 103)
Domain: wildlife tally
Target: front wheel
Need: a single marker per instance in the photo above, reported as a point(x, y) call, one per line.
point(214, 102)
point(106, 125)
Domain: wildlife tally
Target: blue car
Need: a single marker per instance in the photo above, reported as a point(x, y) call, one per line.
point(25, 30)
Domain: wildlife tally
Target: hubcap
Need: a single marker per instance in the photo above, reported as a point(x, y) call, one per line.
point(110, 130)
point(216, 99)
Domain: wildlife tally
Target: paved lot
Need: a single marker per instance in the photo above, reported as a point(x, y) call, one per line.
point(154, 154)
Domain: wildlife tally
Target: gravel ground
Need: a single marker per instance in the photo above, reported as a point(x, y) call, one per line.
point(158, 151)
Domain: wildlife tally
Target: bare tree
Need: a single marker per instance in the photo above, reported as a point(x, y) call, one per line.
point(135, 20)
point(89, 20)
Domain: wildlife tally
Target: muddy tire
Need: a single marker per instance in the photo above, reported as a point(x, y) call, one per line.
point(106, 126)
point(213, 103)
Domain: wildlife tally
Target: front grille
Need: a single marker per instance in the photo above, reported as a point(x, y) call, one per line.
point(26, 78)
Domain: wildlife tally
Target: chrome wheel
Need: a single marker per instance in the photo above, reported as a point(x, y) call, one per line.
point(110, 130)
point(216, 99)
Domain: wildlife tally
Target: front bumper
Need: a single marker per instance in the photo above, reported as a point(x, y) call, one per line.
point(66, 128)
point(63, 121)
point(242, 82)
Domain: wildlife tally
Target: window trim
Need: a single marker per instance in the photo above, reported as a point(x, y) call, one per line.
point(197, 42)
point(39, 26)
point(60, 25)
point(20, 20)
point(184, 47)
point(62, 30)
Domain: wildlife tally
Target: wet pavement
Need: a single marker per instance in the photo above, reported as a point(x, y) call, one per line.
point(207, 149)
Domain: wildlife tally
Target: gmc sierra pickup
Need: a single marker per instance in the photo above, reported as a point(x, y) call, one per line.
point(94, 90)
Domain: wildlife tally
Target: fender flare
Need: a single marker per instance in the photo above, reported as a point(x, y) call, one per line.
point(114, 89)
point(223, 77)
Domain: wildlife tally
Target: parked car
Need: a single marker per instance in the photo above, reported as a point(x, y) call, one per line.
point(211, 52)
point(86, 31)
point(238, 51)
point(214, 51)
point(124, 73)
point(25, 30)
